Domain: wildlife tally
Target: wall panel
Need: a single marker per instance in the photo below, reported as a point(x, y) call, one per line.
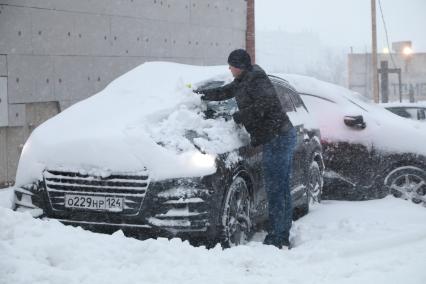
point(46, 4)
point(3, 156)
point(53, 32)
point(92, 35)
point(15, 140)
point(3, 65)
point(15, 30)
point(4, 110)
point(30, 78)
point(127, 36)
point(17, 115)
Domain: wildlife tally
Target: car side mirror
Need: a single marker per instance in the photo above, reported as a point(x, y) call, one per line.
point(356, 121)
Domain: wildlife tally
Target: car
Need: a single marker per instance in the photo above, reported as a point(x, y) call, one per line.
point(416, 111)
point(147, 156)
point(368, 151)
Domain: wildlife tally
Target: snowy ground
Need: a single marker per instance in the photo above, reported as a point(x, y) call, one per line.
point(381, 241)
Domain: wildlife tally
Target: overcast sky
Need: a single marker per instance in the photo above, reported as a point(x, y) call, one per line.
point(346, 23)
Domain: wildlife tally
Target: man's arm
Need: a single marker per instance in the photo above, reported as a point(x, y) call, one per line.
point(218, 94)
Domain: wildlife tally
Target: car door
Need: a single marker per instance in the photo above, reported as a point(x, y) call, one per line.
point(349, 164)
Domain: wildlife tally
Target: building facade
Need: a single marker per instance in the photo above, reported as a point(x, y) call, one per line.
point(413, 75)
point(54, 53)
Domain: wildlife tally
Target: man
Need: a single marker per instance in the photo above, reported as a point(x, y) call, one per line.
point(260, 112)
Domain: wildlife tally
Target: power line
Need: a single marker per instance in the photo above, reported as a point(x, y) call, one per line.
point(386, 32)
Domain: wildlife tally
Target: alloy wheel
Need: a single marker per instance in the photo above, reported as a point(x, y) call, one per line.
point(408, 183)
point(315, 183)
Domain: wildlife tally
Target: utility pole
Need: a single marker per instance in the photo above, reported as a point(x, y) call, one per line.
point(375, 79)
point(384, 74)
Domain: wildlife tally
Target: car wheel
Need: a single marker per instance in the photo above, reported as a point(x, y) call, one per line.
point(313, 188)
point(236, 219)
point(408, 183)
point(315, 183)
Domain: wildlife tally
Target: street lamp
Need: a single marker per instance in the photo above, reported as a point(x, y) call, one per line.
point(407, 51)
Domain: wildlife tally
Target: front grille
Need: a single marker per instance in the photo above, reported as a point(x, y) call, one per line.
point(131, 187)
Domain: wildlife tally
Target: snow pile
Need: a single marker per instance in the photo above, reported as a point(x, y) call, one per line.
point(385, 130)
point(138, 122)
point(381, 241)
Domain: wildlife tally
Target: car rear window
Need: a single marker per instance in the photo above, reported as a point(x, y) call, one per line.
point(284, 97)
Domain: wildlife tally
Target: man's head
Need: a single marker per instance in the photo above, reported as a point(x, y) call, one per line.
point(239, 60)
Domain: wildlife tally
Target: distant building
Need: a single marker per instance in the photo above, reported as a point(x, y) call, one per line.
point(55, 53)
point(413, 73)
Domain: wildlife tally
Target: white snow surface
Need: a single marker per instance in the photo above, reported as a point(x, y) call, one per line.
point(137, 122)
point(380, 241)
point(6, 197)
point(385, 131)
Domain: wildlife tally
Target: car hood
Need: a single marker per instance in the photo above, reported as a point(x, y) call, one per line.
point(137, 123)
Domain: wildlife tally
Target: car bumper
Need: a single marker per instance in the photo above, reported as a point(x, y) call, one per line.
point(171, 207)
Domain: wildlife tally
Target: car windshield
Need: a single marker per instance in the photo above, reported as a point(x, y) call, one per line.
point(215, 109)
point(212, 110)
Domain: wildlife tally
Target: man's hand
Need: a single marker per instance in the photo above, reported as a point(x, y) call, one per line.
point(198, 91)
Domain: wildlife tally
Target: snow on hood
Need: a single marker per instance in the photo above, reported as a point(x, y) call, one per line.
point(137, 122)
point(385, 131)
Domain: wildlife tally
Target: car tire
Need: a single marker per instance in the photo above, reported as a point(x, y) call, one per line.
point(236, 221)
point(313, 188)
point(407, 182)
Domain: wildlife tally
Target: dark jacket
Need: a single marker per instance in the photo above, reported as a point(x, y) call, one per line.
point(259, 107)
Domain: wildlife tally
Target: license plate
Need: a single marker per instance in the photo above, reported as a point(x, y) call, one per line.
point(103, 203)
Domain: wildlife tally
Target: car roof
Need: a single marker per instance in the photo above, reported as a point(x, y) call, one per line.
point(421, 104)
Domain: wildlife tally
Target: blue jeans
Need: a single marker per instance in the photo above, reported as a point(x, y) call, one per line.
point(277, 163)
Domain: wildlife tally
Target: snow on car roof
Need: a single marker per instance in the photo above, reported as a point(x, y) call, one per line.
point(137, 122)
point(385, 130)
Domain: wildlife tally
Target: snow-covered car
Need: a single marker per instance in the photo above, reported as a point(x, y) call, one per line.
point(147, 155)
point(368, 151)
point(415, 111)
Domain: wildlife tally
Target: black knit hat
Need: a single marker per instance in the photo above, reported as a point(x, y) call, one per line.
point(239, 58)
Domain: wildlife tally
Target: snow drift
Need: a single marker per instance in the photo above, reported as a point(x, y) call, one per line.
point(380, 241)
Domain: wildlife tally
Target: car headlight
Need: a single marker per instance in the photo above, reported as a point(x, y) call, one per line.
point(201, 160)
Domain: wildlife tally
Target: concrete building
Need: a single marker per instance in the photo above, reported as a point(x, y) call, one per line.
point(54, 53)
point(413, 74)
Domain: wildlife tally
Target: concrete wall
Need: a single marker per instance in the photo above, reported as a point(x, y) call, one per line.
point(54, 53)
point(413, 71)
